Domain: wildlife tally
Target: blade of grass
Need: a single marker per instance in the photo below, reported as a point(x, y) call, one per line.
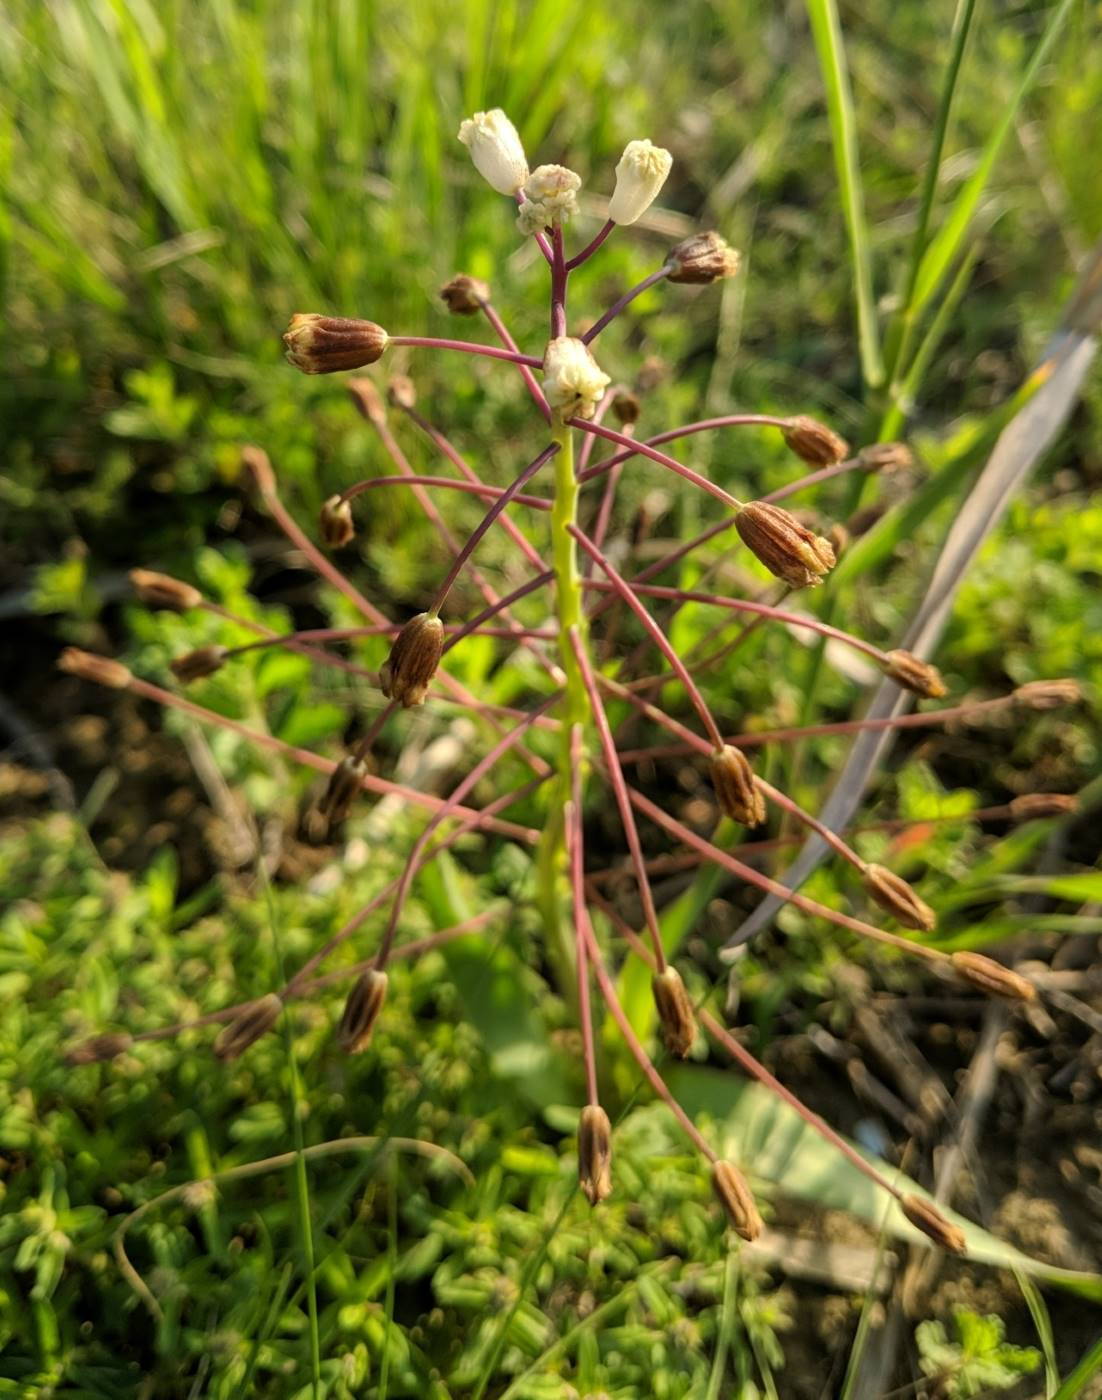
point(392, 1265)
point(1089, 1366)
point(1043, 1323)
point(827, 33)
point(726, 1331)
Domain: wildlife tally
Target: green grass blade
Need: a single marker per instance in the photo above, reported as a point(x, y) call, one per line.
point(827, 33)
point(1089, 1366)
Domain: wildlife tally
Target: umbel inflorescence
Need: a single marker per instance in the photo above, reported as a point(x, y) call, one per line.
point(564, 736)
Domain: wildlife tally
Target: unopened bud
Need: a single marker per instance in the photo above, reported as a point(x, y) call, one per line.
point(496, 150)
point(640, 174)
point(99, 1047)
point(465, 296)
point(401, 392)
point(198, 664)
point(162, 591)
point(893, 893)
point(675, 1011)
point(101, 670)
point(703, 258)
point(344, 786)
point(789, 550)
point(413, 660)
point(915, 675)
point(258, 464)
point(573, 382)
point(813, 442)
point(361, 1011)
point(327, 344)
point(1049, 695)
point(1032, 806)
point(335, 524)
point(991, 977)
point(365, 395)
point(595, 1153)
point(256, 1020)
point(886, 457)
point(925, 1216)
point(735, 789)
point(734, 1195)
point(550, 198)
point(626, 408)
point(653, 372)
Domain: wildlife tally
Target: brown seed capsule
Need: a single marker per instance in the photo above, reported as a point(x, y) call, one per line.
point(626, 407)
point(258, 464)
point(162, 591)
point(1049, 695)
point(703, 258)
point(595, 1153)
point(361, 1011)
point(896, 896)
point(327, 344)
point(344, 786)
point(675, 1011)
point(813, 442)
point(465, 296)
point(735, 789)
point(1032, 806)
point(925, 1216)
point(734, 1195)
point(99, 1047)
point(335, 524)
point(198, 664)
point(101, 670)
point(401, 392)
point(914, 675)
point(788, 549)
point(413, 660)
point(256, 1020)
point(886, 457)
point(368, 400)
point(991, 977)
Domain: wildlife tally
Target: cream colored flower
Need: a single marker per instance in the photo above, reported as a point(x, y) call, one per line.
point(550, 197)
point(496, 150)
point(573, 382)
point(640, 174)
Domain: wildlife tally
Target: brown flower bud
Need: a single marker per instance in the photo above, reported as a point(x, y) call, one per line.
point(99, 669)
point(886, 457)
point(335, 524)
point(365, 395)
point(787, 549)
point(1032, 806)
point(1049, 695)
point(595, 1153)
point(401, 392)
point(702, 258)
point(413, 660)
point(813, 442)
point(344, 786)
point(464, 296)
point(734, 1195)
point(912, 674)
point(198, 664)
point(675, 1011)
point(162, 591)
point(896, 896)
point(626, 408)
point(991, 977)
point(925, 1216)
point(99, 1047)
point(254, 1021)
point(361, 1011)
point(326, 344)
point(735, 789)
point(653, 372)
point(258, 464)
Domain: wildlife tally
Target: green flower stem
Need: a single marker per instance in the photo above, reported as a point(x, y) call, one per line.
point(551, 859)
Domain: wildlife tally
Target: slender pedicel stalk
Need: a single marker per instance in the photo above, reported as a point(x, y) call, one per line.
point(447, 483)
point(619, 788)
point(728, 420)
point(693, 743)
point(626, 300)
point(540, 238)
point(468, 347)
point(502, 332)
point(558, 284)
point(588, 444)
point(591, 247)
point(764, 883)
point(814, 479)
point(475, 538)
point(645, 450)
point(659, 637)
point(467, 628)
point(812, 823)
point(575, 846)
point(324, 658)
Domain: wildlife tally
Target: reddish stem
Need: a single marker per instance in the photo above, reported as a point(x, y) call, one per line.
point(591, 247)
point(507, 340)
point(467, 347)
point(484, 489)
point(644, 449)
point(626, 300)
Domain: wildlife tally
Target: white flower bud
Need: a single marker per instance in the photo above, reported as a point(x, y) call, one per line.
point(495, 148)
point(572, 380)
point(640, 174)
point(550, 197)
